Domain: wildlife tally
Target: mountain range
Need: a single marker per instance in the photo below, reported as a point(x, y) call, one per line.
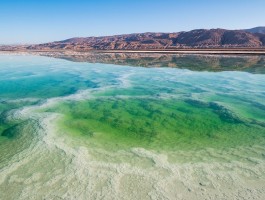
point(199, 38)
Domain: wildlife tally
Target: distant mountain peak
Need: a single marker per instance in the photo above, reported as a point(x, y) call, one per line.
point(259, 29)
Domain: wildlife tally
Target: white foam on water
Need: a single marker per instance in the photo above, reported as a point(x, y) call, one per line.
point(55, 169)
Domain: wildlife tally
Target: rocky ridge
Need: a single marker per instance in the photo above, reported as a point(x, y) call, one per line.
point(199, 38)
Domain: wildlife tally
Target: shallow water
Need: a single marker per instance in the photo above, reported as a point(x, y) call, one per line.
point(193, 127)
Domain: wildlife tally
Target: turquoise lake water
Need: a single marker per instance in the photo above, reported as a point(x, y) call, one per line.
point(132, 126)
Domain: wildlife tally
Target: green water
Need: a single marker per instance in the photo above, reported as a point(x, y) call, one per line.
point(158, 124)
point(67, 129)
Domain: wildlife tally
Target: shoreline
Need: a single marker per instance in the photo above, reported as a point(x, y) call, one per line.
point(159, 51)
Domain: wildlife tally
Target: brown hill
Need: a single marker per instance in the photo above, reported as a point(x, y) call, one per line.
point(201, 38)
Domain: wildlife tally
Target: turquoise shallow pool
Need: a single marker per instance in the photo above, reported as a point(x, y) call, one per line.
point(132, 127)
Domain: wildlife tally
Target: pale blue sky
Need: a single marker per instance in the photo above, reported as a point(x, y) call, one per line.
point(37, 21)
